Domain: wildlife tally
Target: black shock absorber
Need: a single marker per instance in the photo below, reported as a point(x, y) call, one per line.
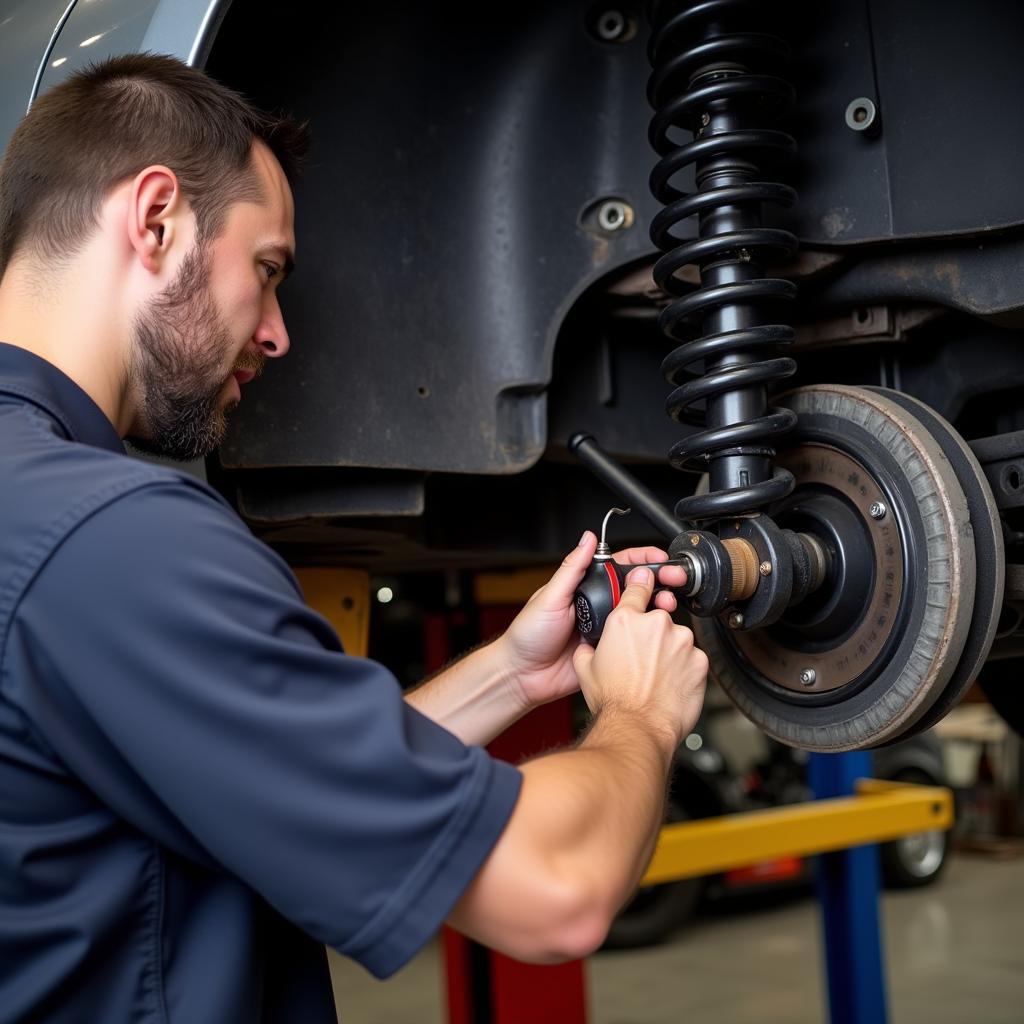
point(720, 84)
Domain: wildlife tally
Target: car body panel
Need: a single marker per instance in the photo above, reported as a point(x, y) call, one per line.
point(28, 30)
point(104, 28)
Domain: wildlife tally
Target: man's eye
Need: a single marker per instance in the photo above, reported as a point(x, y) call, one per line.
point(271, 270)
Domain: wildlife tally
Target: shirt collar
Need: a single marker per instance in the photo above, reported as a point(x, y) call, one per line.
point(25, 375)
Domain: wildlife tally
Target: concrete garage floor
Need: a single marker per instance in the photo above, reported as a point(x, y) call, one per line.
point(954, 955)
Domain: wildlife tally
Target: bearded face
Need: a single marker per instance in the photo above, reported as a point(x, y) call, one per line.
point(182, 366)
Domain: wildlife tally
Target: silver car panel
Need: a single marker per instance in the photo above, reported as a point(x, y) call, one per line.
point(97, 29)
point(28, 29)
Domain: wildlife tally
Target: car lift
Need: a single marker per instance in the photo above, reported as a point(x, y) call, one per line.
point(849, 815)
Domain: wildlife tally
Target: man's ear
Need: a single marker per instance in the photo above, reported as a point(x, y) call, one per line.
point(154, 215)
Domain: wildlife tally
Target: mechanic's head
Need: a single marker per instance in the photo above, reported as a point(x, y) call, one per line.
point(161, 201)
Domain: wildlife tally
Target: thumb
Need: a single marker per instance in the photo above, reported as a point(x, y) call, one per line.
point(560, 589)
point(639, 587)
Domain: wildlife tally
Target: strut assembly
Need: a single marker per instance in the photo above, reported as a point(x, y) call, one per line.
point(834, 543)
point(702, 82)
point(715, 83)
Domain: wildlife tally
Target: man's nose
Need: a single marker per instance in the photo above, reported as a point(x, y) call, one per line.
point(271, 335)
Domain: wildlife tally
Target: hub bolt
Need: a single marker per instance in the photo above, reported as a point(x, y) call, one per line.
point(877, 510)
point(808, 676)
point(736, 620)
point(765, 568)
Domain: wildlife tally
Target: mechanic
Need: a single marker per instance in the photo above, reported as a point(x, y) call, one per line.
point(198, 788)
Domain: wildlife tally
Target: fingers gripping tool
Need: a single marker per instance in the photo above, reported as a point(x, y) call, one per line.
point(717, 572)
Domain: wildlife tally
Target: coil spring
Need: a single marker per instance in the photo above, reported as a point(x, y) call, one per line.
point(702, 81)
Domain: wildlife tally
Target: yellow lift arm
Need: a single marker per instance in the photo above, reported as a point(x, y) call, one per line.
point(880, 811)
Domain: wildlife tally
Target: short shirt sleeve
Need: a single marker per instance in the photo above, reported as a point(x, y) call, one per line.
point(168, 659)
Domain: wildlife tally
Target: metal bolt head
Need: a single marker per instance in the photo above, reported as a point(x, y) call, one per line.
point(808, 676)
point(862, 115)
point(744, 255)
point(877, 510)
point(611, 26)
point(694, 539)
point(705, 120)
point(614, 215)
point(765, 568)
point(736, 620)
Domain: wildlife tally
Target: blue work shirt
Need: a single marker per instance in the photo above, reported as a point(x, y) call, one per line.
point(198, 788)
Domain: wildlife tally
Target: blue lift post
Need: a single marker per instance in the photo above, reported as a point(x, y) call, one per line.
point(848, 886)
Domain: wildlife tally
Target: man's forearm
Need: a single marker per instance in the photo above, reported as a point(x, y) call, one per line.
point(577, 844)
point(471, 698)
point(610, 807)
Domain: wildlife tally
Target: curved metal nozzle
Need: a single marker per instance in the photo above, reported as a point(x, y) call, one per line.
point(603, 548)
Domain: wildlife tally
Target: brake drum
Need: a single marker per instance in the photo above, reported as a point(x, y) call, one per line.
point(904, 620)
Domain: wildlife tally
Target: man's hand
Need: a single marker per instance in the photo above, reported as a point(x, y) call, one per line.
point(645, 665)
point(539, 646)
point(587, 818)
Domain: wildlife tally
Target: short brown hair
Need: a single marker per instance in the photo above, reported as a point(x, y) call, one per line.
point(109, 121)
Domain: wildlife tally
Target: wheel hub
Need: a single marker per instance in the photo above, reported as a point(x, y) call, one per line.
point(834, 637)
point(904, 618)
